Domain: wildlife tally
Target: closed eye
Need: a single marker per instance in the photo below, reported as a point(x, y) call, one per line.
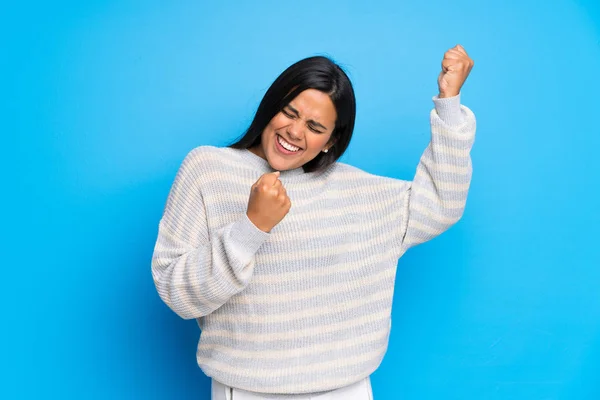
point(314, 129)
point(287, 114)
point(292, 113)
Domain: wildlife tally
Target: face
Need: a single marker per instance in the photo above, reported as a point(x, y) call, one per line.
point(299, 132)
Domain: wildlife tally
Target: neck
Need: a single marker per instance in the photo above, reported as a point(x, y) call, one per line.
point(258, 151)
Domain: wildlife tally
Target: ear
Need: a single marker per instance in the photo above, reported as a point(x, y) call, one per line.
point(331, 142)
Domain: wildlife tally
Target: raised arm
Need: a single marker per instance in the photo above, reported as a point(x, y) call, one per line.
point(438, 193)
point(194, 272)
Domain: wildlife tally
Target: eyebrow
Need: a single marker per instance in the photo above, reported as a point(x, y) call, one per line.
point(315, 123)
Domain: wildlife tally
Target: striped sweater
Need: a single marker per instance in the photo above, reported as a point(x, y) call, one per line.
point(305, 308)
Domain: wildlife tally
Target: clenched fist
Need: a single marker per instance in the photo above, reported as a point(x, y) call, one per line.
point(268, 203)
point(456, 66)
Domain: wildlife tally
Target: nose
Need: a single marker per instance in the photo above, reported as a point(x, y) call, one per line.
point(296, 130)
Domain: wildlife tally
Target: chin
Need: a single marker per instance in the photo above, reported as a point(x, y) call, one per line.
point(280, 165)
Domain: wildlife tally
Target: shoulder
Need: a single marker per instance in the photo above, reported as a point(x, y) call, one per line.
point(346, 171)
point(208, 158)
point(349, 175)
point(198, 163)
point(342, 169)
point(203, 153)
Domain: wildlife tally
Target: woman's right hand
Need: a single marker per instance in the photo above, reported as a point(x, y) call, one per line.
point(268, 203)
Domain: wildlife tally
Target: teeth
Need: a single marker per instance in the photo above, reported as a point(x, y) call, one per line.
point(286, 145)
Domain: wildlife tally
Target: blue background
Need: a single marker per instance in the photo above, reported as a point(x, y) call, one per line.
point(102, 100)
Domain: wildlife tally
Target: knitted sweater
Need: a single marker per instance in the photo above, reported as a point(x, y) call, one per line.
point(305, 308)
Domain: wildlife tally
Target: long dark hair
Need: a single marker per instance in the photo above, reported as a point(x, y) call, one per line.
point(319, 73)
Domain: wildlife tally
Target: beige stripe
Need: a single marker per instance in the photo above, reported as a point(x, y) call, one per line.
point(297, 334)
point(332, 269)
point(431, 214)
point(369, 226)
point(226, 199)
point(177, 282)
point(291, 371)
point(394, 186)
point(424, 228)
point(318, 311)
point(370, 208)
point(454, 135)
point(175, 225)
point(443, 185)
point(445, 167)
point(347, 287)
point(215, 159)
point(340, 381)
point(449, 204)
point(220, 161)
point(293, 255)
point(457, 153)
point(314, 349)
point(451, 135)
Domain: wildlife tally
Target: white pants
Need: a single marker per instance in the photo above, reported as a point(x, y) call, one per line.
point(357, 391)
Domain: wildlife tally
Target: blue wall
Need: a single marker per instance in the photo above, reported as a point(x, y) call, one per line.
point(102, 100)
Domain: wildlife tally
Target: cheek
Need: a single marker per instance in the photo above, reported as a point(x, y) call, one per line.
point(278, 122)
point(269, 129)
point(318, 141)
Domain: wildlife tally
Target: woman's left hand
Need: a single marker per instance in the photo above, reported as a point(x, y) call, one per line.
point(456, 66)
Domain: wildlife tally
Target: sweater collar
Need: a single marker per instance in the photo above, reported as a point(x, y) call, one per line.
point(264, 166)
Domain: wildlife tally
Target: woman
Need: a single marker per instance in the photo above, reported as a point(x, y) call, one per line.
point(285, 256)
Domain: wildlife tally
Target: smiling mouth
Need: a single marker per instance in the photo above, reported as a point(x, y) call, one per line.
point(287, 146)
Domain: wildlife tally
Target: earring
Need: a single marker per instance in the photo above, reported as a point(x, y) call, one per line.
point(325, 150)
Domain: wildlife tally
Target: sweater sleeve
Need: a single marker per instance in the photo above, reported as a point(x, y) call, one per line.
point(196, 271)
point(437, 195)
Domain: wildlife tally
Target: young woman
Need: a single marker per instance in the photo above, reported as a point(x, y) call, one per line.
point(285, 257)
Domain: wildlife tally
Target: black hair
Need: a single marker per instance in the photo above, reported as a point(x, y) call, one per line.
point(319, 73)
